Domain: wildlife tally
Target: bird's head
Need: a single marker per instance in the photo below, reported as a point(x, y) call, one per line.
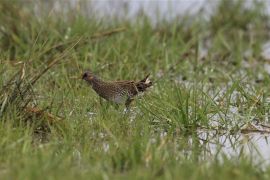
point(88, 76)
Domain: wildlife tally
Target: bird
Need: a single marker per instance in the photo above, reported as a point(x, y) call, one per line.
point(119, 92)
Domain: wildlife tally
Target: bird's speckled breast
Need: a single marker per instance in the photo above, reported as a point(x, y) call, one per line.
point(110, 92)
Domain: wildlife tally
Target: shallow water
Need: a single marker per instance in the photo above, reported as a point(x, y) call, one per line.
point(255, 146)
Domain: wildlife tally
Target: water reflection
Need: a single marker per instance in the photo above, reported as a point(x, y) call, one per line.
point(252, 145)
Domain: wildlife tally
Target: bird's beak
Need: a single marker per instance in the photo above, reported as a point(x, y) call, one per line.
point(91, 77)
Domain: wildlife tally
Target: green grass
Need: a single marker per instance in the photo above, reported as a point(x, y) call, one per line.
point(42, 58)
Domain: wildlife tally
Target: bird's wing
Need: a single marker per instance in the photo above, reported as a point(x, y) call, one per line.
point(125, 82)
point(128, 86)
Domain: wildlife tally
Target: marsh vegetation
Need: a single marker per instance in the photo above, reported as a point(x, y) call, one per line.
point(206, 117)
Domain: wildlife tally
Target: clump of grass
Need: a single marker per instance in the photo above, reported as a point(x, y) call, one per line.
point(17, 96)
point(179, 109)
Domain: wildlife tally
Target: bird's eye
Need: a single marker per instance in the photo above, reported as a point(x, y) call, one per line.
point(84, 75)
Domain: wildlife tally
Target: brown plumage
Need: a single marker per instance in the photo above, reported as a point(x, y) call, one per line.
point(117, 91)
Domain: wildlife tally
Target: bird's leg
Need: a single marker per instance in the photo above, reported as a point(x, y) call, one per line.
point(100, 101)
point(102, 104)
point(128, 102)
point(116, 106)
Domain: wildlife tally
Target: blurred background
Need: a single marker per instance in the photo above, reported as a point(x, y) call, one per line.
point(154, 9)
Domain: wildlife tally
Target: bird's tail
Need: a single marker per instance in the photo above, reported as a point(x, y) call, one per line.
point(144, 84)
